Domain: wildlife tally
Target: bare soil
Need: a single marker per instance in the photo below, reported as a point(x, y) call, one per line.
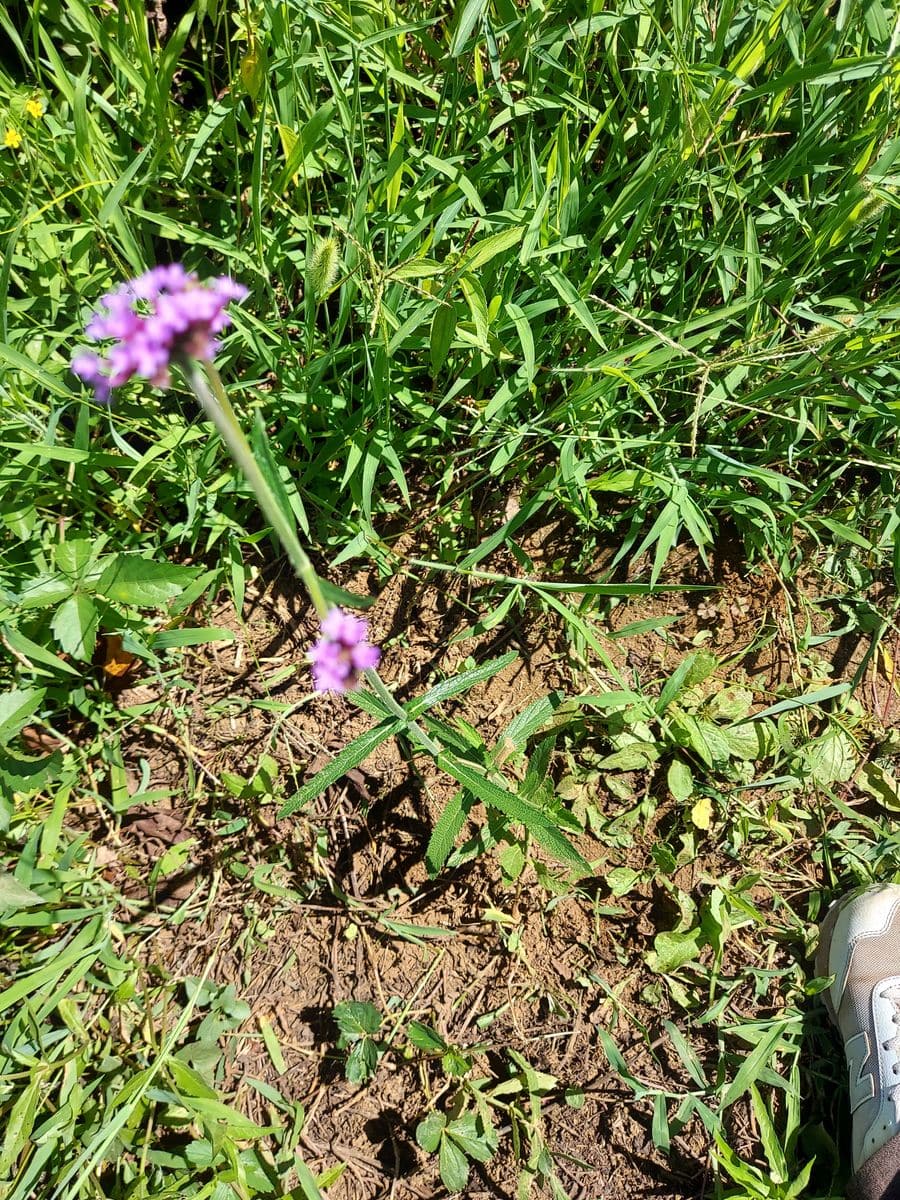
point(500, 966)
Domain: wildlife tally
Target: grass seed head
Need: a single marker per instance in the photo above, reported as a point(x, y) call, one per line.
point(323, 267)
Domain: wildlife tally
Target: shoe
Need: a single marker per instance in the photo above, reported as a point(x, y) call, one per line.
point(859, 944)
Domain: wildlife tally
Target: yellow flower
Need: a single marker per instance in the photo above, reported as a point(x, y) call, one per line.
point(12, 139)
point(34, 108)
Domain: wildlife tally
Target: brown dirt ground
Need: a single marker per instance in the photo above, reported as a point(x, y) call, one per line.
point(558, 970)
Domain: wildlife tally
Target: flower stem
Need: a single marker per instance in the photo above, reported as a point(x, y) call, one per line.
point(209, 390)
point(207, 386)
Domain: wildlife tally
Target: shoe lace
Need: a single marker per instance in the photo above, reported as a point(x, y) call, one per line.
point(892, 1045)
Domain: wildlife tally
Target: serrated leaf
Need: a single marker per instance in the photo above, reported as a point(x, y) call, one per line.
point(351, 756)
point(465, 1132)
point(454, 1166)
point(635, 757)
point(446, 831)
point(456, 1064)
point(73, 556)
point(44, 592)
point(429, 1131)
point(425, 1038)
point(143, 583)
point(702, 666)
point(538, 824)
point(361, 1061)
point(74, 626)
point(357, 1018)
point(461, 683)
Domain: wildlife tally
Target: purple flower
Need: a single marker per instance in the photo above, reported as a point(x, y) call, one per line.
point(164, 316)
point(342, 652)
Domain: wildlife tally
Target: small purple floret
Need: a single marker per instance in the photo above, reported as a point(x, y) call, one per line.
point(342, 652)
point(165, 315)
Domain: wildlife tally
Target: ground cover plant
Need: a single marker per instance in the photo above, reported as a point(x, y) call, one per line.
point(564, 341)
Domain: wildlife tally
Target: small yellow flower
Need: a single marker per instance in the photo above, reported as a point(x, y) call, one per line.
point(34, 108)
point(12, 140)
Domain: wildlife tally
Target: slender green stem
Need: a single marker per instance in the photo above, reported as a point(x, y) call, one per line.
point(210, 391)
point(384, 693)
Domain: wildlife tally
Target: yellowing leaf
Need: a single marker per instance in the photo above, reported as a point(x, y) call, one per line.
point(117, 662)
point(701, 813)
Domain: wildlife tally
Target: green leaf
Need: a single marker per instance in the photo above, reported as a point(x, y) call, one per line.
point(361, 1061)
point(351, 756)
point(675, 684)
point(35, 653)
point(819, 696)
point(307, 1180)
point(659, 1129)
point(443, 329)
point(680, 780)
point(456, 1064)
point(19, 1124)
point(429, 1131)
point(170, 639)
point(74, 626)
point(672, 950)
point(14, 894)
point(636, 756)
point(72, 557)
point(465, 1132)
point(461, 683)
point(620, 880)
point(749, 742)
point(425, 1038)
point(469, 15)
point(44, 592)
point(703, 737)
point(446, 831)
point(489, 247)
point(752, 1066)
point(731, 704)
point(143, 583)
point(454, 1166)
point(538, 824)
point(28, 775)
point(357, 1018)
point(831, 758)
point(881, 783)
point(278, 478)
point(16, 707)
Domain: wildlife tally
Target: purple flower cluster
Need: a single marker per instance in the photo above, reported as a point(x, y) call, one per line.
point(342, 652)
point(163, 316)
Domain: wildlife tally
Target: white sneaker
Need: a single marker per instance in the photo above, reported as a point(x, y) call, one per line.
point(859, 944)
